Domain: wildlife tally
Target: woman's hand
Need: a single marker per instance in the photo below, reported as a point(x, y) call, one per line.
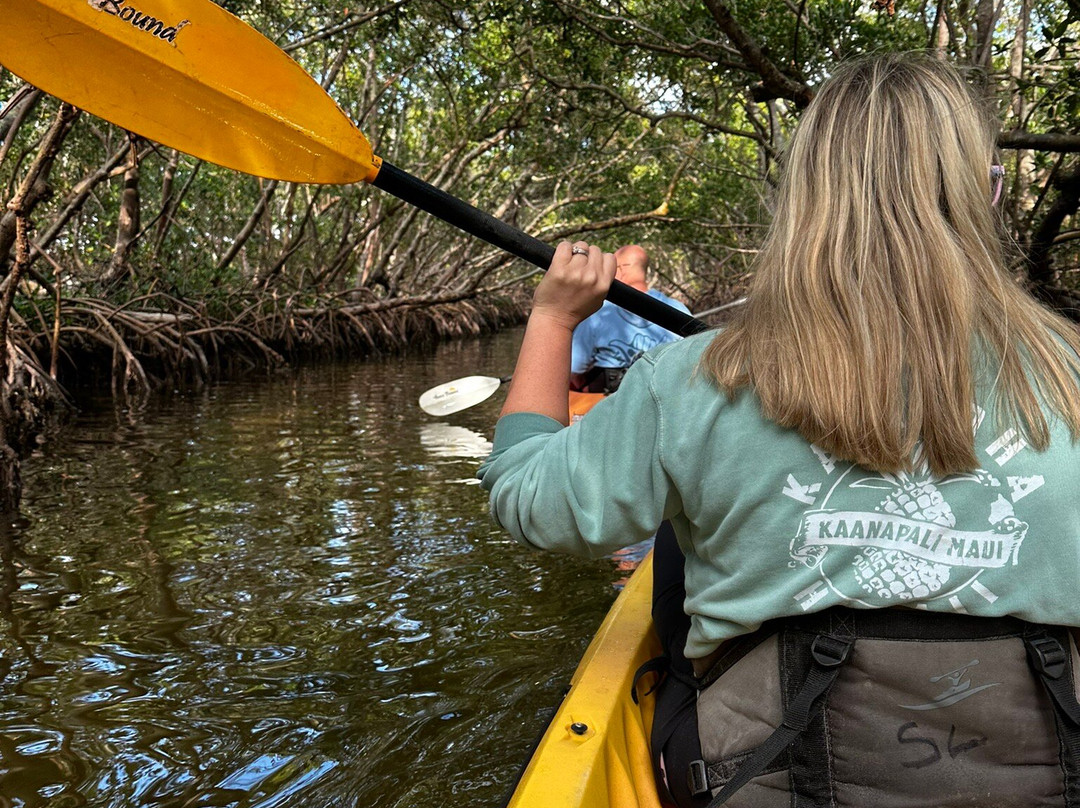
point(575, 285)
point(571, 290)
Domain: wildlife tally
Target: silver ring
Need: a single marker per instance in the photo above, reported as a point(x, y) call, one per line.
point(578, 251)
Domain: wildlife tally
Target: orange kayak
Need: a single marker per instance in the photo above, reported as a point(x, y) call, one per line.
point(581, 403)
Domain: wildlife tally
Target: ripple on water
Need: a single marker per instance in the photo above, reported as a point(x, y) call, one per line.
point(277, 594)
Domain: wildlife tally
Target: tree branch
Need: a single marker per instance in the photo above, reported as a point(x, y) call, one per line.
point(656, 42)
point(1051, 141)
point(774, 83)
point(652, 117)
point(353, 22)
point(1040, 268)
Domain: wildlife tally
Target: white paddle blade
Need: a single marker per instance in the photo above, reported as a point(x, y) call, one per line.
point(458, 395)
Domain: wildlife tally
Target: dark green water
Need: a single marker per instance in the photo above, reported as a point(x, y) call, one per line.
point(280, 592)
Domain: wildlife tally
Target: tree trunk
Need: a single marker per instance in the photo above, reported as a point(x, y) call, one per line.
point(248, 228)
point(1067, 203)
point(1019, 201)
point(295, 239)
point(939, 36)
point(35, 187)
point(168, 211)
point(165, 215)
point(21, 413)
point(986, 15)
point(75, 200)
point(15, 113)
point(127, 224)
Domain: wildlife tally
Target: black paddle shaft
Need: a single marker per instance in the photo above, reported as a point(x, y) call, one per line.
point(494, 231)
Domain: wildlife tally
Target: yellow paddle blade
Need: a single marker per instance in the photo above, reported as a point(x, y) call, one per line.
point(189, 75)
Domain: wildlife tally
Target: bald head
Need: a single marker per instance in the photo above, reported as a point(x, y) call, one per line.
point(632, 265)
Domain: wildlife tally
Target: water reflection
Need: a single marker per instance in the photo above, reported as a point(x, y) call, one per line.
point(450, 440)
point(268, 594)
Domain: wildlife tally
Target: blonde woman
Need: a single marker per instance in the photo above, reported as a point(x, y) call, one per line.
point(873, 475)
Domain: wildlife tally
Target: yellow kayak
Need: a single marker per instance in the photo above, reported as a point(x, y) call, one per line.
point(595, 753)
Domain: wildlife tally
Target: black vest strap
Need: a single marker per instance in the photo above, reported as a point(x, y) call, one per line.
point(794, 744)
point(828, 653)
point(1050, 659)
point(661, 666)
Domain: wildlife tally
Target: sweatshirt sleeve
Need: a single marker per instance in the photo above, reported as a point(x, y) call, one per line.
point(587, 489)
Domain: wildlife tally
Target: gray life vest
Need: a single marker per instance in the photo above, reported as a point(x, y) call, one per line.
point(889, 708)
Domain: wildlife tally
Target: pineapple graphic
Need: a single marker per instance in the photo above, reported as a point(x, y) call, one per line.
point(902, 542)
point(893, 574)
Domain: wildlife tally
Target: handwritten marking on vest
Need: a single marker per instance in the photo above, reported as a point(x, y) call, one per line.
point(139, 20)
point(904, 735)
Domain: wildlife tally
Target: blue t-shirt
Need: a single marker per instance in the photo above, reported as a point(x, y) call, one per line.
point(613, 337)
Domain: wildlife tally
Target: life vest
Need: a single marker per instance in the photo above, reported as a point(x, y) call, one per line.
point(886, 708)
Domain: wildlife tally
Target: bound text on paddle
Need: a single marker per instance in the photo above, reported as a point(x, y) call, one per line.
point(138, 19)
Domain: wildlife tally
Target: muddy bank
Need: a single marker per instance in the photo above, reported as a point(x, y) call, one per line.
point(57, 353)
point(160, 342)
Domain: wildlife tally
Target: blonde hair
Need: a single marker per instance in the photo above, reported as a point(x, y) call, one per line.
point(880, 301)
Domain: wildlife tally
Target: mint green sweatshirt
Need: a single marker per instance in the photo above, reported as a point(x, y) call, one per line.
point(771, 525)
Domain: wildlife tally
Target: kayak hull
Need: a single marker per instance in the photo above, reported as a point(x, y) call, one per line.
point(595, 753)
